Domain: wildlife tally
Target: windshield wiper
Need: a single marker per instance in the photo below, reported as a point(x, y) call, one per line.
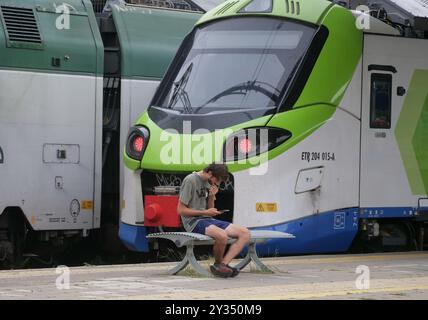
point(243, 88)
point(184, 98)
point(179, 91)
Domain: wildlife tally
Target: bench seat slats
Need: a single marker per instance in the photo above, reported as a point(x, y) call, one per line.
point(170, 235)
point(183, 238)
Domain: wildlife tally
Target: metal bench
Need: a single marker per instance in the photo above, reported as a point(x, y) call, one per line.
point(190, 240)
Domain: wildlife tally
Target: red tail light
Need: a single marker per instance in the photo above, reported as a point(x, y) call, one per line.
point(252, 142)
point(245, 146)
point(137, 142)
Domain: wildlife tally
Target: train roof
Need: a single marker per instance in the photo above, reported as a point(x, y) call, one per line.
point(405, 13)
point(207, 4)
point(376, 26)
point(187, 5)
point(311, 11)
point(417, 8)
point(408, 18)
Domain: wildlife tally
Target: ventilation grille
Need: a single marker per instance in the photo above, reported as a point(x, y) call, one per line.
point(292, 7)
point(226, 7)
point(21, 24)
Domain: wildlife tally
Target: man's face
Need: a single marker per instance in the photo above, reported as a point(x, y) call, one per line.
point(214, 180)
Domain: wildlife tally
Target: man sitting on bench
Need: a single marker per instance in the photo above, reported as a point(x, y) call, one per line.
point(196, 207)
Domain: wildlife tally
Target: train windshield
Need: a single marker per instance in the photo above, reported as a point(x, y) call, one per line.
point(239, 64)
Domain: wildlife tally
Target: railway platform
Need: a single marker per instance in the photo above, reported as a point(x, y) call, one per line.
point(364, 276)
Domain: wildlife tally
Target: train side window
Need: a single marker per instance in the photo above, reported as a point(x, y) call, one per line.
point(380, 101)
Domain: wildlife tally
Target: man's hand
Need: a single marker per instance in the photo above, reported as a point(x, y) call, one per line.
point(212, 212)
point(213, 190)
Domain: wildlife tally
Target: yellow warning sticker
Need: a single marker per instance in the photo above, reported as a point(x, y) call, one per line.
point(266, 207)
point(87, 205)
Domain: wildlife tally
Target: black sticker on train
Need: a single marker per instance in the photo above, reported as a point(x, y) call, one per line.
point(318, 156)
point(1, 156)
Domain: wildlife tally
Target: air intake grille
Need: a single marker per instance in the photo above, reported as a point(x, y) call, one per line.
point(292, 7)
point(21, 24)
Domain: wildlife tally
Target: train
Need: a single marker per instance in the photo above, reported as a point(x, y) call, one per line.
point(320, 111)
point(73, 76)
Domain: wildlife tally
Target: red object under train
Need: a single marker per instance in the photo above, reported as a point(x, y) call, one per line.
point(161, 211)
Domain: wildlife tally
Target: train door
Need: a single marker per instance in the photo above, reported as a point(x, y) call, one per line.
point(394, 122)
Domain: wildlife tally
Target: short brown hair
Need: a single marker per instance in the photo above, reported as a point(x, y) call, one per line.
point(219, 170)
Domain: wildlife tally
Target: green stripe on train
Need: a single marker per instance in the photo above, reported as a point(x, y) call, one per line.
point(175, 152)
point(412, 131)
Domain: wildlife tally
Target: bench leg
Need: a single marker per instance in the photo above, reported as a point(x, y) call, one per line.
point(183, 264)
point(244, 262)
point(195, 264)
point(190, 259)
point(252, 256)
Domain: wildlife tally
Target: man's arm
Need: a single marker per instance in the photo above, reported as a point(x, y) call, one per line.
point(212, 197)
point(186, 193)
point(182, 209)
point(211, 201)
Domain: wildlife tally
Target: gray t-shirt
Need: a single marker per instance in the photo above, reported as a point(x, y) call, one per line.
point(194, 194)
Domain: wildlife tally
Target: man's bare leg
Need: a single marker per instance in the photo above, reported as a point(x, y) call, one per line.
point(220, 237)
point(243, 235)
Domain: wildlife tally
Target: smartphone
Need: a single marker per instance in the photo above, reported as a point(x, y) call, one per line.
point(223, 211)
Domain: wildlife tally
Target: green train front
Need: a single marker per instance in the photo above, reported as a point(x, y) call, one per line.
point(258, 85)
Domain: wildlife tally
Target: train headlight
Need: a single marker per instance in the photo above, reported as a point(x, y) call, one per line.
point(136, 143)
point(252, 142)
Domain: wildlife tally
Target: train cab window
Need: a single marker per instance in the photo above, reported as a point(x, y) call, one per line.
point(380, 101)
point(244, 63)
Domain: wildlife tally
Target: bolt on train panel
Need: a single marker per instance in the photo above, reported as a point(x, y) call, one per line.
point(319, 111)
